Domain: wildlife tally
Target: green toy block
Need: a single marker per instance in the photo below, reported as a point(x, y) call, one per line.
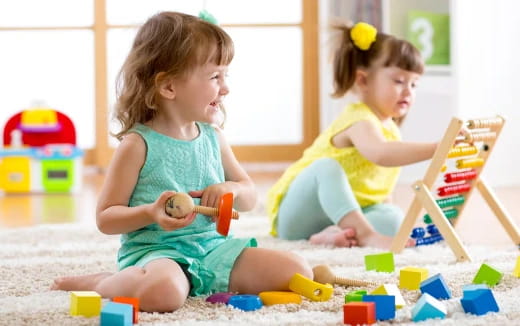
point(487, 275)
point(411, 277)
point(355, 296)
point(383, 262)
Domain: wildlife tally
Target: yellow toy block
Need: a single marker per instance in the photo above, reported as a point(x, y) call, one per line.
point(516, 271)
point(85, 303)
point(411, 277)
point(310, 289)
point(391, 289)
point(279, 297)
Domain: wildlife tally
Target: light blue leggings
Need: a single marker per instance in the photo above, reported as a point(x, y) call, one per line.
point(321, 196)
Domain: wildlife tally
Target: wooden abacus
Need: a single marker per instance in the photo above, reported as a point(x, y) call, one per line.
point(474, 139)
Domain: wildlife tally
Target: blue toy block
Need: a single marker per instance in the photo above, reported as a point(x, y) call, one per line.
point(246, 302)
point(479, 302)
point(428, 307)
point(383, 262)
point(436, 287)
point(116, 314)
point(472, 287)
point(385, 305)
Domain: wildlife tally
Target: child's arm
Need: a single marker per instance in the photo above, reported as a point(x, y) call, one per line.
point(237, 181)
point(372, 145)
point(113, 216)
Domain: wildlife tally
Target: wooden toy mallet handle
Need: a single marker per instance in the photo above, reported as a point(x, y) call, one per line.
point(323, 274)
point(212, 211)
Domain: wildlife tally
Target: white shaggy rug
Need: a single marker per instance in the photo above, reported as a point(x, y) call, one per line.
point(30, 258)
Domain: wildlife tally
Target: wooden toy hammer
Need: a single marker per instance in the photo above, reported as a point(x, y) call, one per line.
point(181, 204)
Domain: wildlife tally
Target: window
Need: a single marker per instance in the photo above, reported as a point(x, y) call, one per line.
point(68, 59)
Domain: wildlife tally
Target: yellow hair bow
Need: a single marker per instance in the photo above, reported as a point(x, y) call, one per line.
point(363, 35)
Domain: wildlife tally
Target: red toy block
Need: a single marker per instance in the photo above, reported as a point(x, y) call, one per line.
point(131, 301)
point(359, 313)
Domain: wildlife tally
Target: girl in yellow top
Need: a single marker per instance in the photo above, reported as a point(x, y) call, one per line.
point(338, 192)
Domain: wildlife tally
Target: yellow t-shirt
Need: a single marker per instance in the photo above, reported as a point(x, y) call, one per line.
point(370, 183)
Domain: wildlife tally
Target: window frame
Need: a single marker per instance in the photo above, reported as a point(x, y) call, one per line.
point(102, 152)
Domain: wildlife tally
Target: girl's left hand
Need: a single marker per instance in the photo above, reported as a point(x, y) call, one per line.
point(210, 196)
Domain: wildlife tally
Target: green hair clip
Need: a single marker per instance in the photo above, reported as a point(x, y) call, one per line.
point(205, 15)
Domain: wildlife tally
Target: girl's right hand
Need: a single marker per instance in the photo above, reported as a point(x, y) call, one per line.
point(164, 220)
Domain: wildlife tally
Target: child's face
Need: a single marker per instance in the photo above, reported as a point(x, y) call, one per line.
point(200, 94)
point(390, 91)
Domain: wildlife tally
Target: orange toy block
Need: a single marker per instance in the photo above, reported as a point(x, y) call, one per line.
point(411, 277)
point(85, 303)
point(131, 301)
point(359, 313)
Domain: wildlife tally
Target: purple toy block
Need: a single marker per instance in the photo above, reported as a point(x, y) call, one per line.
point(436, 287)
point(220, 297)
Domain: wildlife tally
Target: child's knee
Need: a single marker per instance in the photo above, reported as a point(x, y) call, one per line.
point(298, 264)
point(162, 296)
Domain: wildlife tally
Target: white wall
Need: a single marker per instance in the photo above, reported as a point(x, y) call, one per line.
point(488, 71)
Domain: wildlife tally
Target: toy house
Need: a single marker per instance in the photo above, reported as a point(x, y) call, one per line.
point(39, 153)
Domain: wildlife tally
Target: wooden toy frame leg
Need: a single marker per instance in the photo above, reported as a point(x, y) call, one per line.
point(499, 211)
point(424, 199)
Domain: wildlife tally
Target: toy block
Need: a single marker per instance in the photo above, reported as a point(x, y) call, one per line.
point(246, 302)
point(310, 289)
point(85, 303)
point(135, 305)
point(380, 262)
point(472, 287)
point(436, 287)
point(359, 313)
point(488, 275)
point(220, 297)
point(391, 289)
point(116, 314)
point(516, 271)
point(385, 305)
point(428, 307)
point(279, 297)
point(479, 302)
point(355, 296)
point(411, 277)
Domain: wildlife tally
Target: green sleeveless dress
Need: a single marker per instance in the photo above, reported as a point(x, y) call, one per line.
point(182, 166)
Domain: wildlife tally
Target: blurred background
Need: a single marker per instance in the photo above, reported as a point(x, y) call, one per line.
point(65, 55)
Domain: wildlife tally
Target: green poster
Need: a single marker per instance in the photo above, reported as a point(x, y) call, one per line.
point(430, 33)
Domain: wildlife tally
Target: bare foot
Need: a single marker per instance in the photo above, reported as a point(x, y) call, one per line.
point(378, 240)
point(335, 236)
point(79, 283)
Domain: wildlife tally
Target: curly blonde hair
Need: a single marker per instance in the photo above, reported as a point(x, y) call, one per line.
point(168, 45)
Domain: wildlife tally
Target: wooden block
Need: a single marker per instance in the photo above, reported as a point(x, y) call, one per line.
point(383, 262)
point(411, 277)
point(428, 307)
point(85, 303)
point(359, 313)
